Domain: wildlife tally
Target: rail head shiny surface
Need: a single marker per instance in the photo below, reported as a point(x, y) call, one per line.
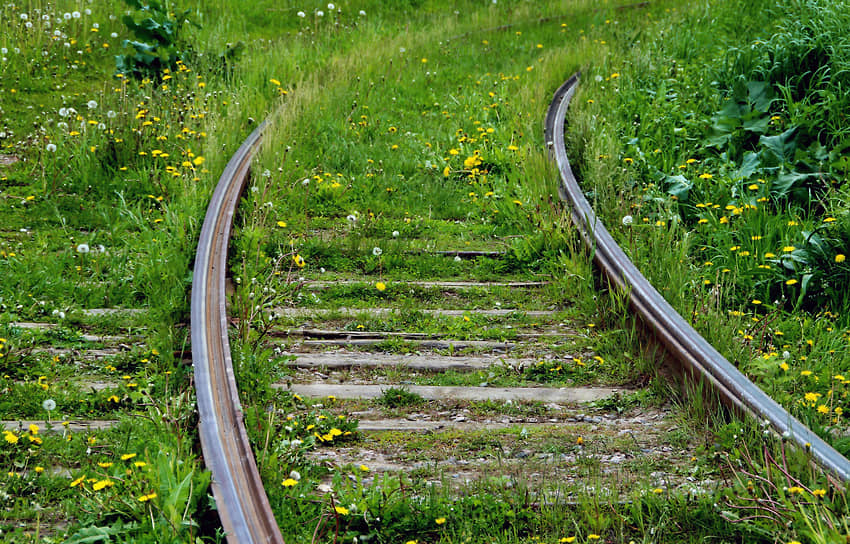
point(241, 501)
point(680, 338)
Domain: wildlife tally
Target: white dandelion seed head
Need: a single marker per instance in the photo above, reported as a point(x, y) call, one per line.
point(395, 234)
point(57, 33)
point(322, 269)
point(75, 14)
point(458, 259)
point(83, 248)
point(67, 16)
point(376, 251)
point(3, 50)
point(320, 13)
point(28, 24)
point(63, 112)
point(362, 13)
point(87, 11)
point(628, 220)
point(786, 354)
point(301, 14)
point(95, 25)
point(305, 182)
point(111, 114)
point(295, 475)
point(24, 16)
point(91, 104)
point(351, 218)
point(101, 126)
point(331, 7)
point(51, 148)
point(101, 248)
point(113, 35)
point(49, 405)
point(598, 78)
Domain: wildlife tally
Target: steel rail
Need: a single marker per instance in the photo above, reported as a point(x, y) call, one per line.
point(680, 338)
point(242, 504)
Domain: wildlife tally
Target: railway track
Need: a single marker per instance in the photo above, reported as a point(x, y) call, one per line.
point(242, 502)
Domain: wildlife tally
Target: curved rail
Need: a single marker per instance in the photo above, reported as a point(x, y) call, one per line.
point(242, 504)
point(685, 343)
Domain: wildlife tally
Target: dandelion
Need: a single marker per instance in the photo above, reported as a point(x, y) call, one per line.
point(331, 7)
point(395, 234)
point(49, 405)
point(627, 220)
point(351, 218)
point(705, 176)
point(10, 437)
point(298, 260)
point(593, 536)
point(146, 498)
point(289, 482)
point(320, 13)
point(83, 248)
point(362, 13)
point(100, 484)
point(127, 456)
point(91, 104)
point(380, 286)
point(281, 224)
point(840, 258)
point(76, 14)
point(301, 14)
point(788, 249)
point(440, 521)
point(51, 148)
point(341, 510)
point(376, 251)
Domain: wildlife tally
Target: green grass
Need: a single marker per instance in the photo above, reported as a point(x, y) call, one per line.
point(133, 171)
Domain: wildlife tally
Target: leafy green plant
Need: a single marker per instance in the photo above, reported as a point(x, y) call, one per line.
point(159, 44)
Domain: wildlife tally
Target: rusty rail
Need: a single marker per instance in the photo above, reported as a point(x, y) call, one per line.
point(682, 340)
point(242, 504)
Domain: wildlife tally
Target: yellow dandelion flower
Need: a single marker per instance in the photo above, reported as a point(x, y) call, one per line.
point(440, 521)
point(380, 286)
point(840, 258)
point(127, 456)
point(100, 484)
point(146, 498)
point(341, 510)
point(289, 482)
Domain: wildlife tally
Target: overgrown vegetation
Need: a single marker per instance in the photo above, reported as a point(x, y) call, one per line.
point(718, 125)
